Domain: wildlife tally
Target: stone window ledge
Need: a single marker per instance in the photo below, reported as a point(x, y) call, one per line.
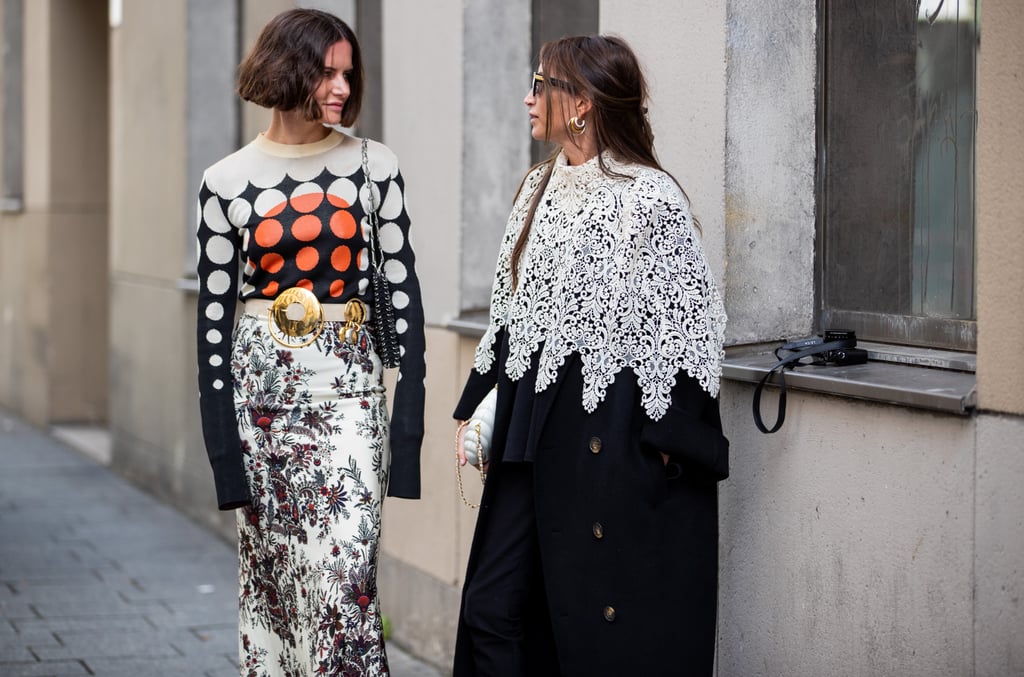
point(913, 377)
point(939, 380)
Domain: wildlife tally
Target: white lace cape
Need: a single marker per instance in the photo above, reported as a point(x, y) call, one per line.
point(613, 271)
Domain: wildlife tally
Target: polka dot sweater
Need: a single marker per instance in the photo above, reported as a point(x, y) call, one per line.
point(295, 215)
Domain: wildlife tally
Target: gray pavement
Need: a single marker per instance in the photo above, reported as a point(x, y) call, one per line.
point(98, 578)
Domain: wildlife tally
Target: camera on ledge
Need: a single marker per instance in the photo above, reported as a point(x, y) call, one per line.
point(842, 356)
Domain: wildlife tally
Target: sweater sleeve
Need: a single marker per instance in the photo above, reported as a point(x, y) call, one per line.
point(217, 270)
point(407, 409)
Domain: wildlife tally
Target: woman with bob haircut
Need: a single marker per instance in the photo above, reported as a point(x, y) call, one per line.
point(595, 550)
point(292, 399)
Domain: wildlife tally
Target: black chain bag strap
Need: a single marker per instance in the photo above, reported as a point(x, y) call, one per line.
point(385, 334)
point(798, 350)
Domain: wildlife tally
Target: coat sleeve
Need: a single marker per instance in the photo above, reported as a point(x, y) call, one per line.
point(477, 386)
point(690, 432)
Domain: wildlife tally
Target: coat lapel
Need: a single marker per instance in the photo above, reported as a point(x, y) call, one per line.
point(545, 400)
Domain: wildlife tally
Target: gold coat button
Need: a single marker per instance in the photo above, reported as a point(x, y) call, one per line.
point(595, 444)
point(598, 530)
point(609, 613)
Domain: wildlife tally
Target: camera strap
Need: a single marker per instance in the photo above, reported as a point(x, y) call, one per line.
point(801, 349)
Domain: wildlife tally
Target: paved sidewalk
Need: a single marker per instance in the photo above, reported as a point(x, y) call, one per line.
point(98, 578)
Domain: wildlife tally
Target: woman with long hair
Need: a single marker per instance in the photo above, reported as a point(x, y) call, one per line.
point(595, 550)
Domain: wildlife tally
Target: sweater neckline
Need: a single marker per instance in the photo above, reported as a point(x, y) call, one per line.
point(298, 150)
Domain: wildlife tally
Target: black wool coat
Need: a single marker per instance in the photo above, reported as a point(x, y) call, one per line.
point(629, 543)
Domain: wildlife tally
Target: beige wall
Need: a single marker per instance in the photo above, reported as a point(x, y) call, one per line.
point(422, 55)
point(686, 72)
point(54, 321)
point(1000, 235)
point(422, 118)
point(153, 391)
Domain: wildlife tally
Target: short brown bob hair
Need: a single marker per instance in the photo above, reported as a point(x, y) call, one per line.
point(286, 65)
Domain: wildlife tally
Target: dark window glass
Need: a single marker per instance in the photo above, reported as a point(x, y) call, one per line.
point(896, 170)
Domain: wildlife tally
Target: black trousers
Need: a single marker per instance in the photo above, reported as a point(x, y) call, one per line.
point(505, 608)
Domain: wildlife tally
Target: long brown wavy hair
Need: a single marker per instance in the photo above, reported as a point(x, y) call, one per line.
point(605, 70)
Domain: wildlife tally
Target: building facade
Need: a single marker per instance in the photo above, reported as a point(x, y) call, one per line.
point(850, 167)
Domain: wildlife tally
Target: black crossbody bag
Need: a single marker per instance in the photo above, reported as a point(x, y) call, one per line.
point(385, 333)
point(835, 346)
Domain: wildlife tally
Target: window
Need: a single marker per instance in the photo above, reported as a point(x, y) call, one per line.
point(11, 108)
point(897, 121)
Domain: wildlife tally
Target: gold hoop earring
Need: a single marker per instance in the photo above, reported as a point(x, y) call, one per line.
point(577, 126)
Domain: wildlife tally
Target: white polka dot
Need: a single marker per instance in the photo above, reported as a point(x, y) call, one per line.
point(401, 326)
point(391, 238)
point(392, 206)
point(308, 189)
point(218, 385)
point(214, 336)
point(344, 189)
point(216, 360)
point(219, 249)
point(239, 212)
point(219, 282)
point(247, 289)
point(250, 268)
point(215, 221)
point(395, 271)
point(401, 351)
point(214, 311)
point(304, 172)
point(364, 284)
point(269, 200)
point(245, 240)
point(400, 299)
point(364, 191)
point(364, 259)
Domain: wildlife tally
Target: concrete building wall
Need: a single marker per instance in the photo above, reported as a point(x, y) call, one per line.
point(686, 71)
point(1000, 180)
point(999, 466)
point(152, 383)
point(54, 321)
point(847, 541)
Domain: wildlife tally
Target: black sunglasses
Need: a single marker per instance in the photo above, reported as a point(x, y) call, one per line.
point(538, 82)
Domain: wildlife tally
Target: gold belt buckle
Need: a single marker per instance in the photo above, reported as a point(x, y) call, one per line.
point(355, 317)
point(282, 314)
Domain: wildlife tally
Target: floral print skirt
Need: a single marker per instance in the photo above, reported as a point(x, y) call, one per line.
point(314, 430)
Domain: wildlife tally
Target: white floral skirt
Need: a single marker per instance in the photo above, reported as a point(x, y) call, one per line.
point(314, 429)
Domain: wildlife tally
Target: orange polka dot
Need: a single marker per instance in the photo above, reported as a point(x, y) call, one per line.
point(343, 225)
point(270, 289)
point(337, 288)
point(306, 228)
point(341, 258)
point(361, 259)
point(305, 284)
point(268, 233)
point(307, 258)
point(308, 202)
point(271, 262)
point(338, 201)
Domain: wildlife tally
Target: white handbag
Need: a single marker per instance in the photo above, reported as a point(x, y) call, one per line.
point(474, 439)
point(476, 443)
